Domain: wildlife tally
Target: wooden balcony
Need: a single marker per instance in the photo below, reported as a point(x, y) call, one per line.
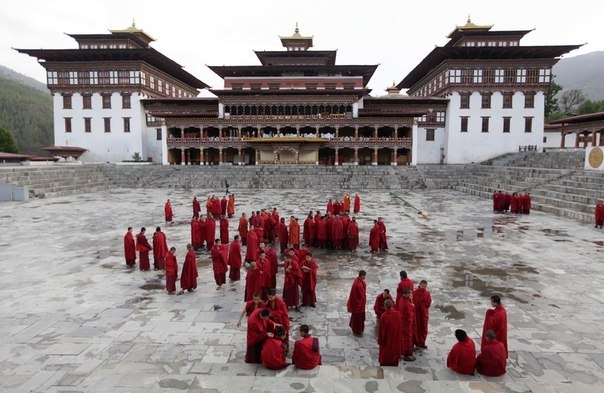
point(240, 143)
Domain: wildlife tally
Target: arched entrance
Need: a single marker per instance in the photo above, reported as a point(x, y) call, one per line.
point(346, 155)
point(384, 156)
point(365, 156)
point(248, 155)
point(403, 156)
point(327, 156)
point(212, 156)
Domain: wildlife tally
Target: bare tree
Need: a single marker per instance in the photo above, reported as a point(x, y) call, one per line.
point(570, 101)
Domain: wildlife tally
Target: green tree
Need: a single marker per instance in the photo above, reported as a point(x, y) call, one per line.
point(7, 142)
point(551, 102)
point(571, 100)
point(589, 106)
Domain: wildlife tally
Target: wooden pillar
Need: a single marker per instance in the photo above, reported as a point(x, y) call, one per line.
point(297, 130)
point(375, 132)
point(601, 141)
point(593, 139)
point(577, 140)
point(356, 132)
point(375, 156)
point(182, 156)
point(239, 157)
point(337, 132)
point(257, 156)
point(220, 156)
point(201, 156)
point(393, 161)
point(337, 159)
point(563, 140)
point(356, 156)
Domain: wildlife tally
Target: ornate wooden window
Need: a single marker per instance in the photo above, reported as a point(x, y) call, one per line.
point(126, 124)
point(440, 116)
point(507, 99)
point(106, 100)
point(455, 76)
point(66, 101)
point(521, 75)
point(86, 101)
point(545, 75)
point(528, 124)
point(506, 124)
point(123, 77)
point(330, 86)
point(430, 134)
point(237, 86)
point(499, 75)
point(84, 77)
point(464, 124)
point(477, 76)
point(485, 100)
point(107, 124)
point(52, 77)
point(529, 99)
point(464, 100)
point(485, 124)
point(311, 86)
point(104, 77)
point(126, 101)
point(67, 124)
point(63, 78)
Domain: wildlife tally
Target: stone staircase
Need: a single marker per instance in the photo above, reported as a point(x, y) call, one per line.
point(56, 180)
point(552, 159)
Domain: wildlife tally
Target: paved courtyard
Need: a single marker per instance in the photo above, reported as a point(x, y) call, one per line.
point(73, 318)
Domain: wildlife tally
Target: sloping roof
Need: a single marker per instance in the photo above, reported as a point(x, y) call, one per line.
point(579, 119)
point(440, 54)
point(266, 57)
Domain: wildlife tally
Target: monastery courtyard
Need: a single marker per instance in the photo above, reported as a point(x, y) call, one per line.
point(73, 318)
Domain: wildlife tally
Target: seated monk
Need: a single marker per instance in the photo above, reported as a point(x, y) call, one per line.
point(492, 358)
point(306, 354)
point(462, 357)
point(273, 351)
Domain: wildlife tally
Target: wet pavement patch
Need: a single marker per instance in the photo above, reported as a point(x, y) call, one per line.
point(451, 311)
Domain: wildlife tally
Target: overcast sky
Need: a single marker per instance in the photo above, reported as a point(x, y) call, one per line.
point(396, 34)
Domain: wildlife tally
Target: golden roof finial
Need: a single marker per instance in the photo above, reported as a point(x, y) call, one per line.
point(469, 19)
point(296, 30)
point(133, 23)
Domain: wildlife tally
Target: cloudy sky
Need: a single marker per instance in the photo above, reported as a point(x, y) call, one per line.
point(396, 34)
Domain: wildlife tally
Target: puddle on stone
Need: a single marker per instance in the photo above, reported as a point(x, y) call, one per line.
point(416, 370)
point(107, 265)
point(451, 311)
point(152, 286)
point(554, 232)
point(488, 280)
point(596, 242)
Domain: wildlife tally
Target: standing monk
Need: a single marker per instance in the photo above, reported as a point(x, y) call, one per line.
point(171, 271)
point(291, 282)
point(160, 248)
point(422, 301)
point(283, 235)
point(309, 281)
point(599, 214)
point(272, 264)
point(257, 332)
point(243, 229)
point(389, 335)
point(253, 280)
point(353, 234)
point(210, 232)
point(188, 277)
point(224, 230)
point(279, 313)
point(374, 237)
point(196, 207)
point(496, 319)
point(357, 203)
point(231, 206)
point(143, 247)
point(383, 239)
point(219, 262)
point(169, 215)
point(405, 282)
point(356, 304)
point(307, 354)
point(251, 251)
point(294, 232)
point(250, 306)
point(407, 310)
point(129, 248)
point(235, 259)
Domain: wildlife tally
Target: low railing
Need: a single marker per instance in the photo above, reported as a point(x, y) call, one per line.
point(343, 139)
point(527, 148)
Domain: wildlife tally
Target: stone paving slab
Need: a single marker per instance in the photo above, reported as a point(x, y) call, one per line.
point(73, 318)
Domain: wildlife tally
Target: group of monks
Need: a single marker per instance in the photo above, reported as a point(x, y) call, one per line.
point(515, 203)
point(599, 214)
point(403, 328)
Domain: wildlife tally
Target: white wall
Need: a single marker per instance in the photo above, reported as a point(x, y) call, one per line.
point(102, 147)
point(428, 152)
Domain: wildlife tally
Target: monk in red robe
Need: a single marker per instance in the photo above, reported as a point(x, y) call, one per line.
point(257, 332)
point(374, 237)
point(346, 204)
point(224, 230)
point(383, 238)
point(379, 307)
point(160, 248)
point(279, 313)
point(407, 309)
point(272, 264)
point(337, 232)
point(599, 214)
point(171, 271)
point(196, 207)
point(195, 239)
point(231, 206)
point(306, 233)
point(291, 282)
point(273, 351)
point(422, 302)
point(242, 228)
point(168, 213)
point(216, 207)
point(353, 234)
point(129, 248)
point(266, 273)
point(143, 247)
point(356, 304)
point(309, 281)
point(405, 282)
point(492, 358)
point(202, 229)
point(253, 280)
point(188, 277)
point(250, 306)
point(462, 357)
point(294, 232)
point(210, 232)
point(234, 260)
point(329, 207)
point(219, 262)
point(283, 235)
point(496, 319)
point(321, 226)
point(307, 354)
point(389, 336)
point(526, 204)
point(357, 203)
point(251, 251)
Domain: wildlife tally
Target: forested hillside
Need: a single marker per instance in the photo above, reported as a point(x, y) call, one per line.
point(26, 111)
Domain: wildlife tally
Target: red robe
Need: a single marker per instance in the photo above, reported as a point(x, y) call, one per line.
point(422, 301)
point(252, 247)
point(168, 212)
point(196, 208)
point(143, 247)
point(389, 337)
point(374, 238)
point(357, 204)
point(234, 261)
point(195, 238)
point(353, 236)
point(309, 282)
point(294, 233)
point(337, 233)
point(188, 277)
point(462, 357)
point(404, 283)
point(306, 354)
point(171, 272)
point(129, 249)
point(293, 275)
point(378, 307)
point(383, 239)
point(329, 207)
point(210, 233)
point(492, 359)
point(407, 311)
point(321, 226)
point(496, 319)
point(346, 204)
point(306, 234)
point(223, 206)
point(243, 230)
point(224, 231)
point(202, 227)
point(253, 282)
point(356, 306)
point(526, 204)
point(273, 266)
point(599, 215)
point(231, 206)
point(257, 328)
point(250, 306)
point(283, 234)
point(160, 248)
point(273, 354)
point(219, 263)
point(279, 312)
